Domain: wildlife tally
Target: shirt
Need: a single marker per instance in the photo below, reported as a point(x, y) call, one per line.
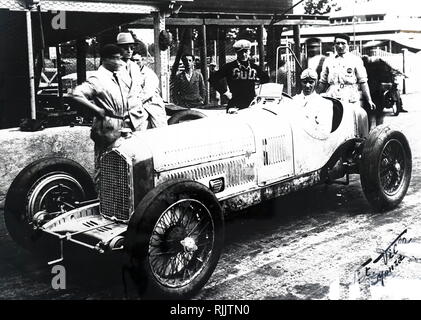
point(150, 84)
point(106, 92)
point(343, 74)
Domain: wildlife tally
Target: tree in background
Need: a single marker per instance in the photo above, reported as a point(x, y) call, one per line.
point(320, 6)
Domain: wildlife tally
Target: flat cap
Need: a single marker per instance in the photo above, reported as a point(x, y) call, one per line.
point(242, 45)
point(343, 36)
point(309, 73)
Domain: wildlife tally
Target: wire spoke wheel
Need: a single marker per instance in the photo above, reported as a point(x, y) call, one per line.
point(385, 167)
point(392, 166)
point(181, 243)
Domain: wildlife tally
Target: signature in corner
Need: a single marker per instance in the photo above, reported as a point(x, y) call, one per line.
point(369, 270)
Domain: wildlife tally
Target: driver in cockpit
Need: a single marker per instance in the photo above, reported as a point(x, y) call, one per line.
point(318, 111)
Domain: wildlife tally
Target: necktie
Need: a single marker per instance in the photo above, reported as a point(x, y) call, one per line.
point(121, 92)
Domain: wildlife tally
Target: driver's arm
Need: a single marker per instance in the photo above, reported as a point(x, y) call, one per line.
point(84, 93)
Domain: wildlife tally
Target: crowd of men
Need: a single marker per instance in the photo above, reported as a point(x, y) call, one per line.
point(123, 95)
point(124, 92)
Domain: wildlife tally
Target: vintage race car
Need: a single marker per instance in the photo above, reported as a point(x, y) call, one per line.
point(164, 193)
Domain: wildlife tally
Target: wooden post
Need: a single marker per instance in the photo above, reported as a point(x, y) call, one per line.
point(80, 60)
point(30, 64)
point(221, 47)
point(59, 76)
point(161, 57)
point(297, 51)
point(274, 33)
point(203, 59)
point(261, 47)
point(404, 51)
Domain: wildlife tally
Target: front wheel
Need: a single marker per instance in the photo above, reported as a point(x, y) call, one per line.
point(385, 169)
point(175, 239)
point(49, 185)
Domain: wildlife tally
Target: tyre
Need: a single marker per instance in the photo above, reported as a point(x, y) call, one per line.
point(185, 115)
point(49, 184)
point(385, 168)
point(174, 239)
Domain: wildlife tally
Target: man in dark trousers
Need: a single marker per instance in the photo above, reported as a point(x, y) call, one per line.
point(104, 95)
point(241, 76)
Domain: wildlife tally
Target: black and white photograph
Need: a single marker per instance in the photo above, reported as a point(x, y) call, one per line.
point(210, 151)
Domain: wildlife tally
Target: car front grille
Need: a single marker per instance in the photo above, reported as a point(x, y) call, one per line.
point(116, 186)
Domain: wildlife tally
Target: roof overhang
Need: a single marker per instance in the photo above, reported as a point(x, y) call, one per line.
point(97, 6)
point(239, 19)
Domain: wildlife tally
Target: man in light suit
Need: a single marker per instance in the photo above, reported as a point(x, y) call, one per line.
point(131, 79)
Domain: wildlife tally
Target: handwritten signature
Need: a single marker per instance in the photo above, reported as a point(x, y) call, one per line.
point(375, 273)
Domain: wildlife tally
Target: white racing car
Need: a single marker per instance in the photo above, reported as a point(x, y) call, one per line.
point(163, 193)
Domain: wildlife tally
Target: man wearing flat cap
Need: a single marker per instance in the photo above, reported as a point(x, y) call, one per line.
point(343, 76)
point(241, 77)
point(317, 111)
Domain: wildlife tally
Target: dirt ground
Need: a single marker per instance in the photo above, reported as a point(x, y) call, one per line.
point(308, 245)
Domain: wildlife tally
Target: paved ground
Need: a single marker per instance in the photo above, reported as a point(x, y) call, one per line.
point(304, 246)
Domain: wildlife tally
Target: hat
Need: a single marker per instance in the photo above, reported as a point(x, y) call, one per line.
point(343, 36)
point(241, 45)
point(125, 38)
point(309, 73)
point(109, 50)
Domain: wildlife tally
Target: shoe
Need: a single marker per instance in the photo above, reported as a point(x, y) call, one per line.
point(404, 111)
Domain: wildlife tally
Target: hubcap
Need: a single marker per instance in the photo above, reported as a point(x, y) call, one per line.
point(189, 244)
point(181, 243)
point(56, 192)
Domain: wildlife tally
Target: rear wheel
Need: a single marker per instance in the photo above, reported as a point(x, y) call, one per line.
point(175, 239)
point(386, 166)
point(49, 185)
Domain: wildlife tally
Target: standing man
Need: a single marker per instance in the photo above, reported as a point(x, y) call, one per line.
point(189, 86)
point(132, 81)
point(150, 95)
point(241, 76)
point(318, 111)
point(343, 75)
point(109, 102)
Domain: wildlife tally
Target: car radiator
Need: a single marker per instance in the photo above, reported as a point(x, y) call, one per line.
point(116, 186)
